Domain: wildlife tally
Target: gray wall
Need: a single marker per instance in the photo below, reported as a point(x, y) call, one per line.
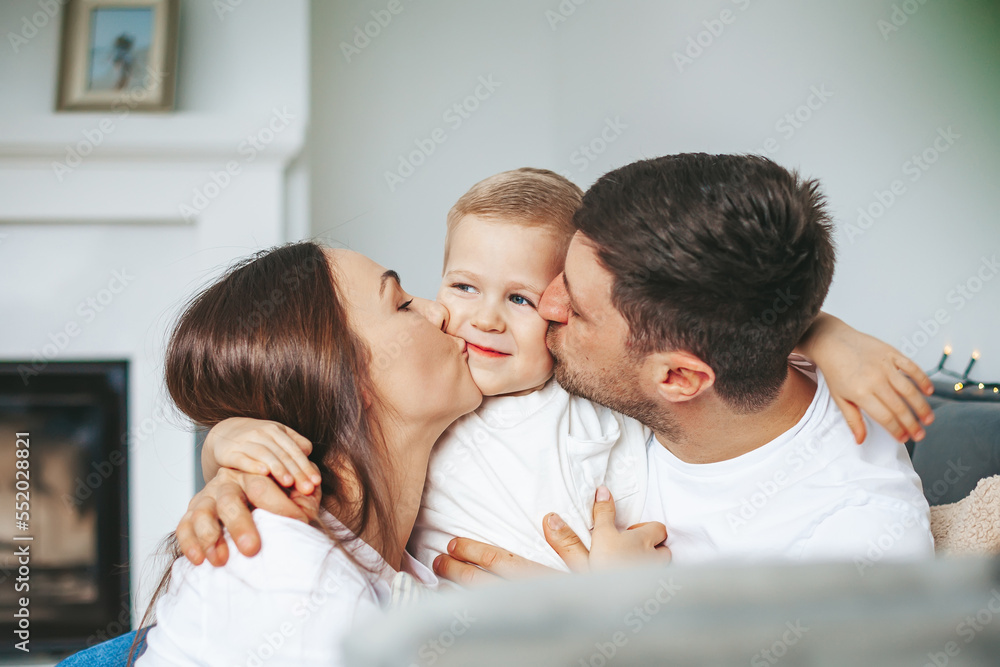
point(885, 95)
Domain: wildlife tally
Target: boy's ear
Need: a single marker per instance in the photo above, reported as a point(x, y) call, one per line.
point(680, 376)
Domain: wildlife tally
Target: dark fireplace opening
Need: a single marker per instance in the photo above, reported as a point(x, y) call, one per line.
point(68, 507)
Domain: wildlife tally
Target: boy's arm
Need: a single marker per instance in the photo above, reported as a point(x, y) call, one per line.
point(864, 373)
point(259, 447)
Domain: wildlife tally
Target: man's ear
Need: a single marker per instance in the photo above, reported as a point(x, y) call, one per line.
point(680, 376)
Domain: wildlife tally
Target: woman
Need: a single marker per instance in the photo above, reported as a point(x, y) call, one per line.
point(292, 336)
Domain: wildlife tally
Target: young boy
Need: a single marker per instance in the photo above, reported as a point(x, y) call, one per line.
point(531, 448)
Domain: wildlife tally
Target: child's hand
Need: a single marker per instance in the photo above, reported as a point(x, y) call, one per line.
point(609, 547)
point(261, 447)
point(864, 373)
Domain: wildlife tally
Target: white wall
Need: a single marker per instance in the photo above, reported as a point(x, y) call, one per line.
point(608, 60)
point(62, 235)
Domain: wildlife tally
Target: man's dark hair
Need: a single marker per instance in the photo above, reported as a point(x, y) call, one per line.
point(726, 256)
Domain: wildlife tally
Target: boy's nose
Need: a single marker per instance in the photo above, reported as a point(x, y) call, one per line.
point(435, 313)
point(554, 304)
point(486, 318)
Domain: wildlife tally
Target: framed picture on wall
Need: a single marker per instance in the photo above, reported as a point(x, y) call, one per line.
point(118, 54)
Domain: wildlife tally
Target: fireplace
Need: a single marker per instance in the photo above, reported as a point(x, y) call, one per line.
point(64, 489)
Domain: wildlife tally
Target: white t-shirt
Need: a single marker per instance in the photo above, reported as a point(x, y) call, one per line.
point(812, 493)
point(496, 473)
point(290, 605)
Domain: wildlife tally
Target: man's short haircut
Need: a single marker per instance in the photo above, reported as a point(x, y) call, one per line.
point(526, 196)
point(728, 257)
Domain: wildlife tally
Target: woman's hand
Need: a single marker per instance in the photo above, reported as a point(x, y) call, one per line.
point(609, 547)
point(864, 373)
point(260, 447)
point(224, 503)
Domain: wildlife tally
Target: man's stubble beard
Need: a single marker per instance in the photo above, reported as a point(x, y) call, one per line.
point(616, 387)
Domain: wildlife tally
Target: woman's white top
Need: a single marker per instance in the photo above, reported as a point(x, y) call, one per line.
point(496, 473)
point(291, 604)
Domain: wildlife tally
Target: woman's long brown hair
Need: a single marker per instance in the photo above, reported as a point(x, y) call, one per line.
point(271, 340)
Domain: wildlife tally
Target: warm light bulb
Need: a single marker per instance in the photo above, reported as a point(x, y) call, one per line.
point(996, 390)
point(958, 386)
point(975, 354)
point(982, 386)
point(947, 349)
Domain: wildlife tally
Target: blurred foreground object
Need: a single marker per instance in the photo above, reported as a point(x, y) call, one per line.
point(943, 612)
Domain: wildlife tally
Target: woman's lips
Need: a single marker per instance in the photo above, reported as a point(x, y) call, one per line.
point(485, 351)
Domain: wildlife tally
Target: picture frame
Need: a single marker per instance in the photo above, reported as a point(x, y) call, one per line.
point(118, 54)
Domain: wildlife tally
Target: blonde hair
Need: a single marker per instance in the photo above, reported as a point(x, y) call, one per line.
point(525, 196)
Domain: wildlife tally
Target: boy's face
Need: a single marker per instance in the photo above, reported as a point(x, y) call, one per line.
point(493, 281)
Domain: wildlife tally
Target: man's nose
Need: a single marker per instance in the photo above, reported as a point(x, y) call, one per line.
point(554, 304)
point(435, 313)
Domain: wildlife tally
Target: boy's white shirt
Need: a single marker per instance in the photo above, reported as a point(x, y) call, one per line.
point(290, 605)
point(496, 473)
point(812, 493)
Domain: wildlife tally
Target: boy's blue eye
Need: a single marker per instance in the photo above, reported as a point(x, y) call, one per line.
point(520, 300)
point(462, 287)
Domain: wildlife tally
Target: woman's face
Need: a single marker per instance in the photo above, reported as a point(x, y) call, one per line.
point(420, 372)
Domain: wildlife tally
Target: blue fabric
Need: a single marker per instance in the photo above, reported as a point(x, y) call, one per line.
point(112, 653)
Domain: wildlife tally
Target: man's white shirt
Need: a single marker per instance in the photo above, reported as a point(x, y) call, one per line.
point(812, 494)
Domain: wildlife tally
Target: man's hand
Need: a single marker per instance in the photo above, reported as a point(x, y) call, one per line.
point(470, 563)
point(226, 499)
point(610, 547)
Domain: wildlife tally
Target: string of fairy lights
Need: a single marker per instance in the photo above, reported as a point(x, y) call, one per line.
point(963, 379)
